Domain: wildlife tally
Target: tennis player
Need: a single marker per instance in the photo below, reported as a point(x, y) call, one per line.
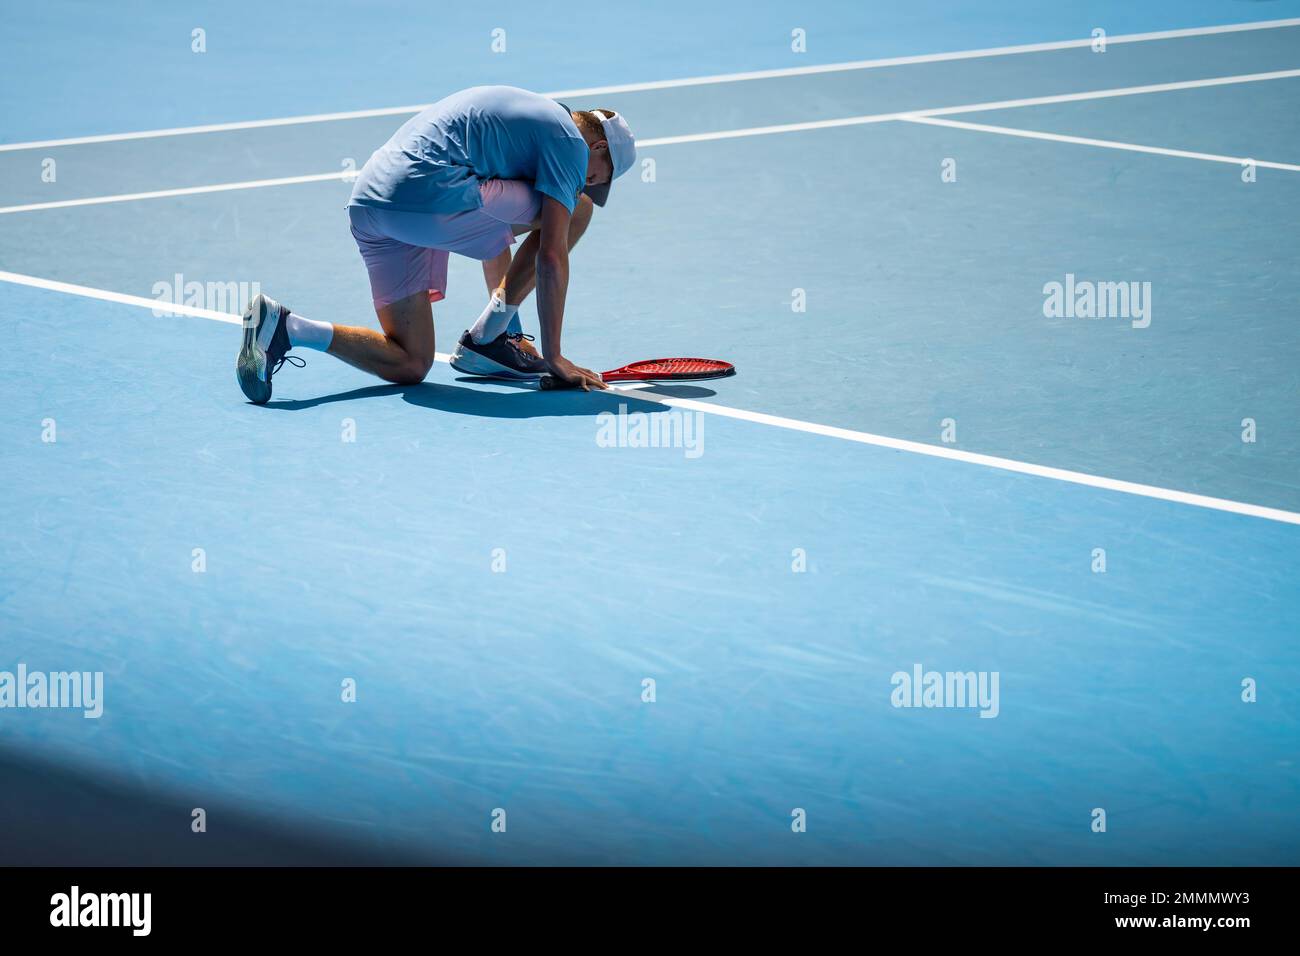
point(467, 175)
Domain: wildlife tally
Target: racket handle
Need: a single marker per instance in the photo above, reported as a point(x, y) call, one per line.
point(549, 383)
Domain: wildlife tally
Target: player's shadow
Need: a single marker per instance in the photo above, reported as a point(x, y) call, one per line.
point(524, 401)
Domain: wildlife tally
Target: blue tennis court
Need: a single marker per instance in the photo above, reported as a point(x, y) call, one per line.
point(475, 622)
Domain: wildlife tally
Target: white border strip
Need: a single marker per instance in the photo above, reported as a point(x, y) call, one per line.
point(990, 461)
point(672, 84)
point(775, 421)
point(1105, 143)
point(910, 115)
point(160, 306)
point(1105, 94)
point(928, 58)
point(165, 308)
point(179, 191)
point(977, 107)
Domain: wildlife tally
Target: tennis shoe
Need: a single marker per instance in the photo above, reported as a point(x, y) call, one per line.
point(504, 357)
point(264, 348)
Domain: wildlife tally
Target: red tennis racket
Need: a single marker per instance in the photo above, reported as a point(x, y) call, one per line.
point(658, 370)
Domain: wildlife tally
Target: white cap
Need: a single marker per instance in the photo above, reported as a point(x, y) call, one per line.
point(622, 152)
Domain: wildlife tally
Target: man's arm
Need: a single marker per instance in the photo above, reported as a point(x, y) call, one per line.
point(552, 273)
point(552, 288)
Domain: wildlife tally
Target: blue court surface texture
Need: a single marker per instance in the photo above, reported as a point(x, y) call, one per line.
point(683, 654)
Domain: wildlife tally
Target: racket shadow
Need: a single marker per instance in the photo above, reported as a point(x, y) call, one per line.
point(523, 400)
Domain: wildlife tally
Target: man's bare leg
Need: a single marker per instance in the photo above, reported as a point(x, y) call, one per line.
point(494, 270)
point(402, 353)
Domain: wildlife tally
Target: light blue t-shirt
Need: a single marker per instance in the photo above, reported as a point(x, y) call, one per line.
point(435, 162)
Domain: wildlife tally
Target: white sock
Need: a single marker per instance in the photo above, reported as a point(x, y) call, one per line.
point(304, 333)
point(496, 316)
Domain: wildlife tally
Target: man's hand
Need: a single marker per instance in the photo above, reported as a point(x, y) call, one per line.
point(575, 375)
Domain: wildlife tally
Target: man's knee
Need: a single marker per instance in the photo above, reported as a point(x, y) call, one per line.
point(412, 370)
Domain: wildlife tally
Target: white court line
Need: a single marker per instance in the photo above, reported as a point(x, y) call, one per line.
point(1106, 143)
point(911, 115)
point(163, 308)
point(672, 84)
point(179, 191)
point(977, 107)
point(1105, 94)
point(776, 421)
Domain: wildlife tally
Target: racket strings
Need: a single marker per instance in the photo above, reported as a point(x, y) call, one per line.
point(680, 366)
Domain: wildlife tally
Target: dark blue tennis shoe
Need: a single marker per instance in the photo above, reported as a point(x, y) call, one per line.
point(506, 356)
point(266, 342)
